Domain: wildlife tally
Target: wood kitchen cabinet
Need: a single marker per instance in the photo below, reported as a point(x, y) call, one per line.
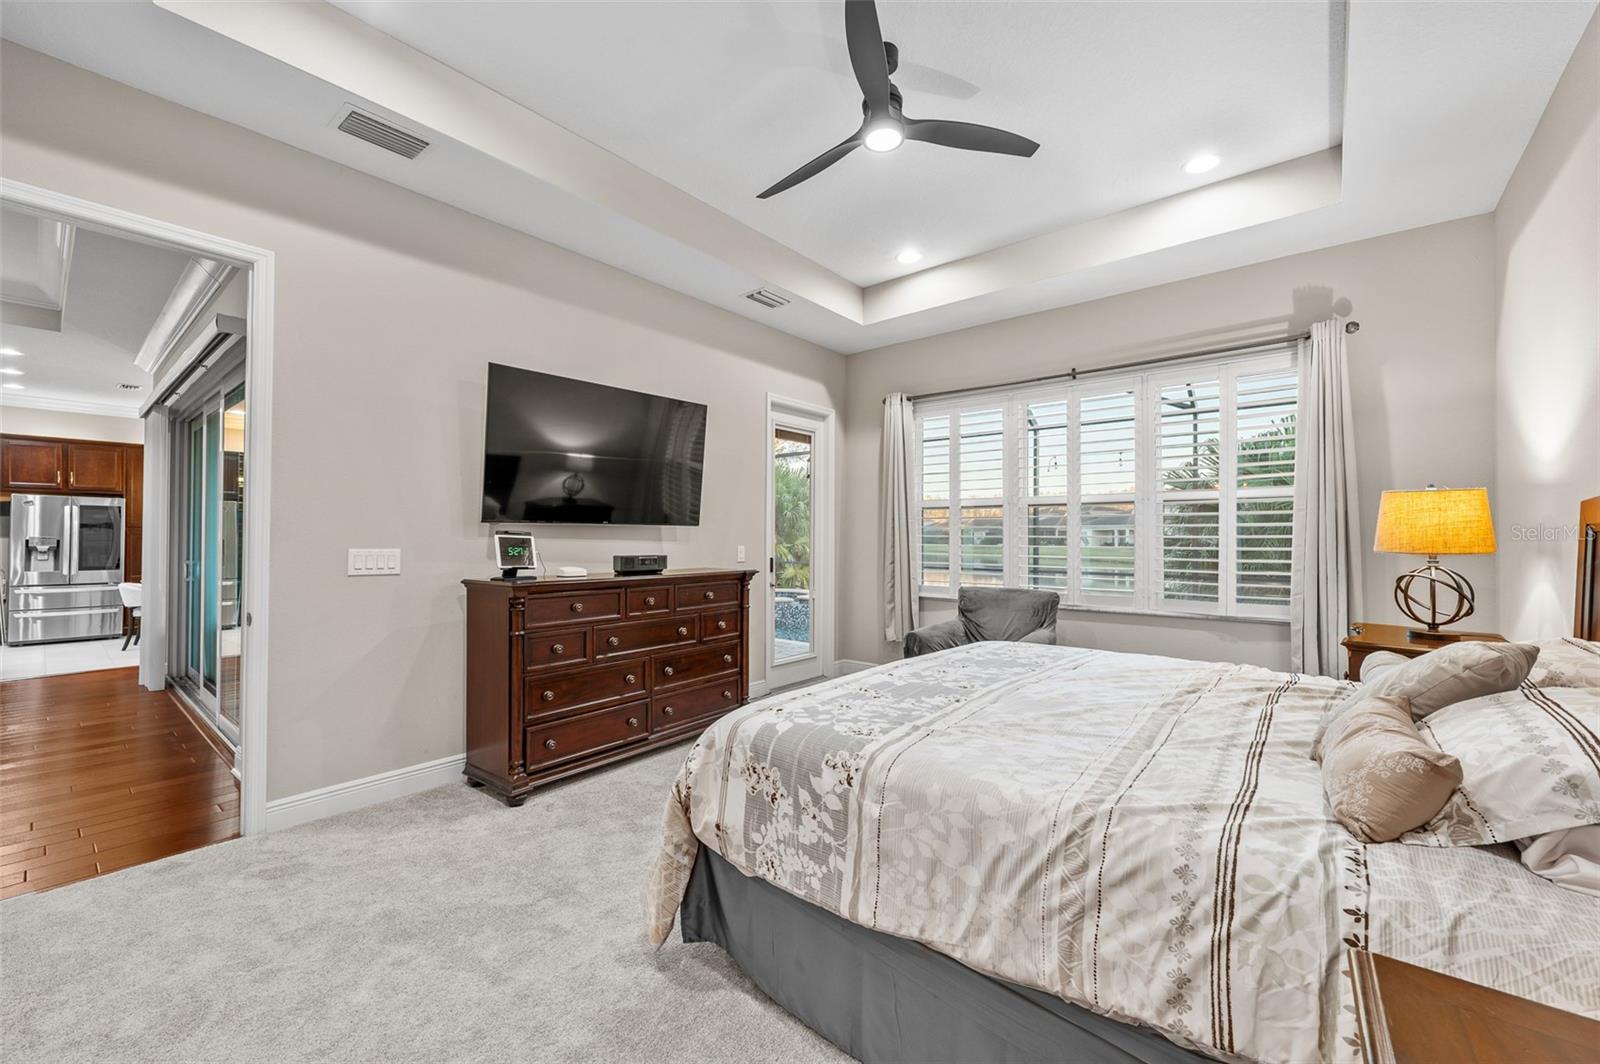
point(96, 468)
point(32, 465)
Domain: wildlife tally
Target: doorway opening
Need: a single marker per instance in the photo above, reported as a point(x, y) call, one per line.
point(181, 537)
point(799, 542)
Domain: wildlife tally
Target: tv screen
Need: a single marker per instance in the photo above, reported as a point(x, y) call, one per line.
point(569, 451)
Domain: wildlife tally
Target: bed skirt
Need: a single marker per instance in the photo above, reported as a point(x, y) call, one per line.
point(887, 1000)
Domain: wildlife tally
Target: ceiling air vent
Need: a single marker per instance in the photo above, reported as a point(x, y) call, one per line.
point(365, 127)
point(767, 298)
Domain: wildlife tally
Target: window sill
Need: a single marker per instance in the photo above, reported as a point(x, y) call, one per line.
point(1125, 612)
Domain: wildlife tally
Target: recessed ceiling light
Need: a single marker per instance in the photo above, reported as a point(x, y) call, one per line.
point(10, 352)
point(908, 256)
point(1202, 163)
point(16, 387)
point(8, 371)
point(884, 137)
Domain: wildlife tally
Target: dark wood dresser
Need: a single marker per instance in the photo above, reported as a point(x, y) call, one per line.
point(567, 675)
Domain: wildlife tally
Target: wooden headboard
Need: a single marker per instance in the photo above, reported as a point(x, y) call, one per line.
point(1586, 611)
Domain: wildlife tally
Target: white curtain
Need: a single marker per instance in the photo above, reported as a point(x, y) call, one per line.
point(1325, 579)
point(899, 579)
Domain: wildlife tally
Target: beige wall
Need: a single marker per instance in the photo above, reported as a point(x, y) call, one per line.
point(1422, 369)
point(26, 421)
point(389, 308)
point(1547, 355)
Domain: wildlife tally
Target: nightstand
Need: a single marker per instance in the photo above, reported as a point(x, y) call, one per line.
point(1410, 1015)
point(1365, 638)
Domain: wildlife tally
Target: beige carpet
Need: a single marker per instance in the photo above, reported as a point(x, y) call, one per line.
point(438, 927)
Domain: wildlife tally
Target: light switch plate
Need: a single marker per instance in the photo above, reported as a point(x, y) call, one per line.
point(373, 561)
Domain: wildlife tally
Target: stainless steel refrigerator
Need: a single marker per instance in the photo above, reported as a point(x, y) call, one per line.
point(65, 565)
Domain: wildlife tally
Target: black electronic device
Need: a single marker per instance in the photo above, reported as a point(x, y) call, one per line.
point(638, 564)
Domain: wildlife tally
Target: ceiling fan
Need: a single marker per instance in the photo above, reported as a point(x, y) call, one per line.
point(883, 126)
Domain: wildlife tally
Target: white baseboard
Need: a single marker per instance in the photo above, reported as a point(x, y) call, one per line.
point(343, 797)
point(846, 666)
point(758, 688)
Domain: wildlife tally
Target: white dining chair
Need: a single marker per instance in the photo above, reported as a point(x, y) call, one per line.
point(131, 597)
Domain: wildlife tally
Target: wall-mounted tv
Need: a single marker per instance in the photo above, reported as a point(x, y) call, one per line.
point(574, 452)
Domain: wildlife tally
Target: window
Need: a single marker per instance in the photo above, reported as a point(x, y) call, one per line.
point(1165, 491)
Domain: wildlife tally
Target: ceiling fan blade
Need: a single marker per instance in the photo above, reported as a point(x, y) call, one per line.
point(969, 136)
point(816, 166)
point(867, 57)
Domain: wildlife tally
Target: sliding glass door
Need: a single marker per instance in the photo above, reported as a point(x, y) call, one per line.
point(210, 454)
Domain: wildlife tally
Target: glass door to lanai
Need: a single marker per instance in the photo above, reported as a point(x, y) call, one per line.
point(798, 574)
point(209, 449)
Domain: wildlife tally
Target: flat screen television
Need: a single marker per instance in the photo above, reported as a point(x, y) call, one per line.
point(574, 452)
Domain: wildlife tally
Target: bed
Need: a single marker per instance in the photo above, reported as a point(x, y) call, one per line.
point(1010, 851)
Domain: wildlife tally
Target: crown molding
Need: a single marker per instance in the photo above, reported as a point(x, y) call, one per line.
point(69, 406)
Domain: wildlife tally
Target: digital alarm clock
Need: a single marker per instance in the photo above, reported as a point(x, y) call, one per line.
point(516, 554)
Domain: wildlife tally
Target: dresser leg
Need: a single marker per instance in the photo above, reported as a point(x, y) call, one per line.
point(515, 800)
point(474, 783)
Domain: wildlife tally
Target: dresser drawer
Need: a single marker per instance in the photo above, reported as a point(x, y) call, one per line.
point(703, 596)
point(550, 744)
point(693, 666)
point(555, 649)
point(681, 708)
point(719, 624)
point(630, 637)
point(644, 601)
point(560, 693)
point(569, 609)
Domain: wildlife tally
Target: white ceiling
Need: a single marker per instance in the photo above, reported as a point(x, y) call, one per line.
point(115, 289)
point(596, 152)
point(723, 99)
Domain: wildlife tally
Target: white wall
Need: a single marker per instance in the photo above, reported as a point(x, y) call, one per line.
point(1422, 370)
point(27, 421)
point(1547, 352)
point(389, 308)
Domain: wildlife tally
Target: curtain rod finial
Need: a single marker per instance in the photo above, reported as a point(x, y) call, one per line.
point(1352, 327)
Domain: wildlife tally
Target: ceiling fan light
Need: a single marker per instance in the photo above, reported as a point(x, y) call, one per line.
point(886, 136)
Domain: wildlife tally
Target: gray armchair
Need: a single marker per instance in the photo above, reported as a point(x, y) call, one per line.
point(990, 614)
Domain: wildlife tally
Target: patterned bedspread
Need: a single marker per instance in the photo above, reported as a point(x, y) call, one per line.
point(1143, 836)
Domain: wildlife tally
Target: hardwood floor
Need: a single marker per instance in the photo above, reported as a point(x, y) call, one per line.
point(97, 774)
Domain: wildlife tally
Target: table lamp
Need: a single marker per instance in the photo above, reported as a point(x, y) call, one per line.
point(1434, 522)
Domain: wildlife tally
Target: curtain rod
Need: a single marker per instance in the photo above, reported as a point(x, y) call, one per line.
point(1074, 373)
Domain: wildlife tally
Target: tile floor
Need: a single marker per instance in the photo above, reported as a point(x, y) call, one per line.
point(58, 659)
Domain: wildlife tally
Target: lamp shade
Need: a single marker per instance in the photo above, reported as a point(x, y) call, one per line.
point(1435, 521)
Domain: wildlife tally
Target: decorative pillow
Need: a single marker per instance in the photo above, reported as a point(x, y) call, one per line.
point(1569, 858)
point(1567, 663)
point(1443, 677)
point(1381, 778)
point(1379, 664)
point(1530, 761)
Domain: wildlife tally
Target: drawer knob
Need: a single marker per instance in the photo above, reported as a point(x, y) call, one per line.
point(727, 659)
point(630, 678)
point(722, 626)
point(710, 595)
point(633, 722)
point(577, 607)
point(613, 641)
point(666, 711)
point(667, 671)
point(557, 648)
point(727, 694)
point(549, 744)
point(649, 600)
point(549, 696)
point(682, 631)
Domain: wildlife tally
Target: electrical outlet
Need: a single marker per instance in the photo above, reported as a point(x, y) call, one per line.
point(366, 561)
point(741, 554)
